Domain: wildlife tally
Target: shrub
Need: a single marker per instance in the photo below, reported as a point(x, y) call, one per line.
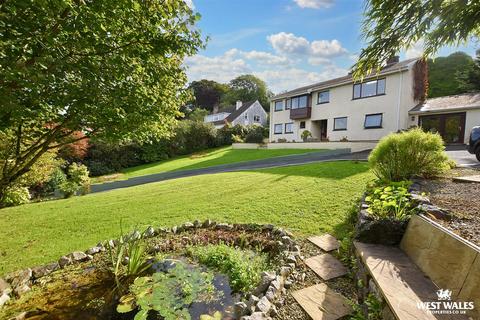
point(15, 196)
point(306, 134)
point(242, 267)
point(255, 134)
point(391, 202)
point(77, 180)
point(57, 178)
point(192, 136)
point(105, 158)
point(399, 156)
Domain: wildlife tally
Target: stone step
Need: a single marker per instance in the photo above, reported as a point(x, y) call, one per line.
point(326, 266)
point(400, 281)
point(322, 303)
point(475, 178)
point(326, 242)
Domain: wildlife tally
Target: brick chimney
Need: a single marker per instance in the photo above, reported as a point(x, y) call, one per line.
point(393, 60)
point(238, 105)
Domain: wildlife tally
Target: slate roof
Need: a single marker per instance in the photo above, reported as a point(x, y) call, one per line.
point(449, 103)
point(394, 67)
point(235, 112)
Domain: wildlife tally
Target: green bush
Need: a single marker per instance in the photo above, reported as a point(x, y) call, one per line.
point(77, 180)
point(57, 178)
point(243, 267)
point(16, 196)
point(391, 202)
point(399, 156)
point(192, 136)
point(255, 134)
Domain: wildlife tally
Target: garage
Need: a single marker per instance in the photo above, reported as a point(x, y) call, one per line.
point(453, 117)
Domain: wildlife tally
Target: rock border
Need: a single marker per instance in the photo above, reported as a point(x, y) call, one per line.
point(261, 303)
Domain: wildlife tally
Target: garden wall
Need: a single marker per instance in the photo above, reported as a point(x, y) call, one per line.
point(450, 261)
point(353, 146)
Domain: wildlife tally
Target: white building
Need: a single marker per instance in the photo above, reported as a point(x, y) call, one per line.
point(242, 113)
point(344, 110)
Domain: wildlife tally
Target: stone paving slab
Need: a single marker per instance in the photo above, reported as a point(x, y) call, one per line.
point(322, 303)
point(326, 266)
point(475, 178)
point(325, 242)
point(401, 282)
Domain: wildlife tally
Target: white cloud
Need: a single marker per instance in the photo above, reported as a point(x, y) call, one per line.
point(290, 44)
point(264, 57)
point(314, 4)
point(221, 68)
point(415, 51)
point(280, 80)
point(318, 61)
point(325, 48)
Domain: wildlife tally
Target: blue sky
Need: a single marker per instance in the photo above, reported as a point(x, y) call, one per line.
point(287, 43)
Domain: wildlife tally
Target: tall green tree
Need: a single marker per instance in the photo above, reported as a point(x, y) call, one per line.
point(392, 25)
point(248, 88)
point(207, 93)
point(442, 71)
point(469, 79)
point(110, 69)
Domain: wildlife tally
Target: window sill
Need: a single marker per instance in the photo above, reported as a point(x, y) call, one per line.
point(367, 128)
point(278, 133)
point(339, 129)
point(323, 102)
point(289, 132)
point(377, 95)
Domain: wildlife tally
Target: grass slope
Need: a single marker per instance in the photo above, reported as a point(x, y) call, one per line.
point(307, 199)
point(205, 159)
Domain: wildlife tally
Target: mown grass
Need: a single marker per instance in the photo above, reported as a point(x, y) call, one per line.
point(306, 199)
point(204, 159)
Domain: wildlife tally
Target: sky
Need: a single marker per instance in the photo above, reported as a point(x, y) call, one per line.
point(286, 43)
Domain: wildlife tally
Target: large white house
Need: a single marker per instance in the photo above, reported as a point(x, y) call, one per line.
point(247, 113)
point(394, 99)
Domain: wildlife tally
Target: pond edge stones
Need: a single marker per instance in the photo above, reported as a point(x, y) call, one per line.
point(262, 302)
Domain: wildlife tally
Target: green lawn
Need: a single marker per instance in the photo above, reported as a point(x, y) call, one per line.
point(305, 199)
point(203, 159)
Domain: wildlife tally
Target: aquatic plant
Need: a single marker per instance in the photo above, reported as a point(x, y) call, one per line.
point(243, 267)
point(168, 293)
point(128, 258)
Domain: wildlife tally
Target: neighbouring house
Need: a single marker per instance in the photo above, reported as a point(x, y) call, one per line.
point(247, 113)
point(342, 109)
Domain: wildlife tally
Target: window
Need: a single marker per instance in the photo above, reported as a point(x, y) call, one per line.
point(288, 105)
point(279, 105)
point(323, 97)
point(289, 127)
point(299, 102)
point(256, 118)
point(369, 89)
point(340, 124)
point(245, 116)
point(277, 129)
point(373, 121)
point(302, 124)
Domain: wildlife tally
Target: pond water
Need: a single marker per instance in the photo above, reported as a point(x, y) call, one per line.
point(89, 293)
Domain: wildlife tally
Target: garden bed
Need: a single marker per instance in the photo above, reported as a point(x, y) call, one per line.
point(195, 270)
point(459, 199)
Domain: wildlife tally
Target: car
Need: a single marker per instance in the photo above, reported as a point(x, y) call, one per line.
point(474, 143)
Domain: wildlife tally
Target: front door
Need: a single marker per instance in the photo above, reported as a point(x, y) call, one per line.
point(323, 130)
point(450, 126)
